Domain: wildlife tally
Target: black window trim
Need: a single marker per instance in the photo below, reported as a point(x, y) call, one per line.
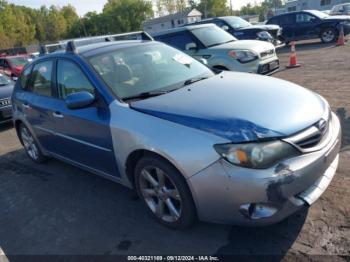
point(25, 88)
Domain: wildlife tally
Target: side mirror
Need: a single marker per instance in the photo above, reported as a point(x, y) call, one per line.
point(79, 100)
point(225, 27)
point(191, 46)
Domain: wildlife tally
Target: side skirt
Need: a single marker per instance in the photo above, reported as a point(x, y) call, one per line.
point(87, 168)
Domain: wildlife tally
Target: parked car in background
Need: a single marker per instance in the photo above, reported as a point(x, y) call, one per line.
point(230, 147)
point(12, 66)
point(6, 89)
point(311, 24)
point(221, 50)
point(343, 9)
point(243, 30)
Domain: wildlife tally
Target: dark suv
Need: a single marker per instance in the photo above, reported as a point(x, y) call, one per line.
point(311, 24)
point(244, 30)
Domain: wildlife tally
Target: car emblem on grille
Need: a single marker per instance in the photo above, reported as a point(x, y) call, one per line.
point(322, 125)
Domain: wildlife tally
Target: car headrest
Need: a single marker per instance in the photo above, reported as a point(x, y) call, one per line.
point(123, 73)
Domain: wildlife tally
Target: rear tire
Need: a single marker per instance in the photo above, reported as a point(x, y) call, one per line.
point(30, 145)
point(164, 192)
point(329, 35)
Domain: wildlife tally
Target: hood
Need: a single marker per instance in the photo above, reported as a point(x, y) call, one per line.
point(239, 107)
point(254, 45)
point(6, 91)
point(338, 17)
point(263, 27)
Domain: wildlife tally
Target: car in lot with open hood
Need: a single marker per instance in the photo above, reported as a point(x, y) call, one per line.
point(311, 24)
point(228, 148)
point(243, 30)
point(221, 50)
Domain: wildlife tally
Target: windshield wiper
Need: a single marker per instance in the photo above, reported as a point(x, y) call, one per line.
point(145, 95)
point(193, 80)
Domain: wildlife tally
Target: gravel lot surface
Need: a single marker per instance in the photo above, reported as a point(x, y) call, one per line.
point(58, 209)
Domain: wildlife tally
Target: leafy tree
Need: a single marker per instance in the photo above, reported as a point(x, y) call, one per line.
point(212, 8)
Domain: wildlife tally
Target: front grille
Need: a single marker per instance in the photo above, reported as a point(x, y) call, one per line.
point(5, 102)
point(310, 139)
point(267, 53)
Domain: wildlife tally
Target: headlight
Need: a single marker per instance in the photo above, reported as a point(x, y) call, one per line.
point(243, 56)
point(264, 35)
point(256, 155)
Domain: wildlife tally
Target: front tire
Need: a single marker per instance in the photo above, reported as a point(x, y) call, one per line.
point(329, 35)
point(164, 192)
point(30, 145)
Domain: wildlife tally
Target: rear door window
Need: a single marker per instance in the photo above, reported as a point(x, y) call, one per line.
point(287, 19)
point(180, 40)
point(41, 78)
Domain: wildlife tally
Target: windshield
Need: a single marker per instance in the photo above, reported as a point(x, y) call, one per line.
point(4, 80)
point(212, 36)
point(318, 14)
point(18, 61)
point(347, 7)
point(236, 22)
point(152, 67)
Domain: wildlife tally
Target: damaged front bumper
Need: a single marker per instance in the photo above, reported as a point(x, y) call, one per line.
point(225, 193)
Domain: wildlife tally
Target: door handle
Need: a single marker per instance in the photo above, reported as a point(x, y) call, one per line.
point(57, 114)
point(26, 105)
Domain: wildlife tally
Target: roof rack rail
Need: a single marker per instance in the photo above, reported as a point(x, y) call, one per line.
point(140, 35)
point(71, 45)
point(46, 49)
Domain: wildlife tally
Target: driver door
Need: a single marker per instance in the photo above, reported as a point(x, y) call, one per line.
point(83, 134)
point(306, 26)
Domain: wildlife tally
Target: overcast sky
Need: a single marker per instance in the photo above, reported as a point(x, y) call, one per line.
point(84, 6)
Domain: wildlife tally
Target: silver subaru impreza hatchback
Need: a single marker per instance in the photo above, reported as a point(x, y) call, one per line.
point(228, 148)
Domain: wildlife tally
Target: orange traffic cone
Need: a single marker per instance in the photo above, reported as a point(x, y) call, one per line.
point(341, 38)
point(293, 57)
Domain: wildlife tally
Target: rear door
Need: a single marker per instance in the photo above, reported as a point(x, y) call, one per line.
point(83, 135)
point(287, 22)
point(38, 104)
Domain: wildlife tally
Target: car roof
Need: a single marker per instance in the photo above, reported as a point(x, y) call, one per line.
point(180, 29)
point(97, 48)
point(291, 13)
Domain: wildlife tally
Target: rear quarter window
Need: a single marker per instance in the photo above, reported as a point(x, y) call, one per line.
point(287, 19)
point(23, 80)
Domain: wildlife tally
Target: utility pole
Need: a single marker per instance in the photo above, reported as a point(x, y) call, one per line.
point(231, 7)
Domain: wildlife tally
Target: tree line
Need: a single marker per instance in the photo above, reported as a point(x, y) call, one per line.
point(21, 26)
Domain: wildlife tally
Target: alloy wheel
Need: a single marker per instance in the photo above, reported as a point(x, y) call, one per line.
point(29, 143)
point(328, 36)
point(160, 194)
